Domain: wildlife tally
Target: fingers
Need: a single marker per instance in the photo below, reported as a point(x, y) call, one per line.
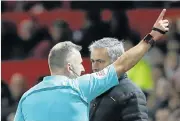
point(166, 29)
point(161, 26)
point(166, 24)
point(161, 15)
point(166, 21)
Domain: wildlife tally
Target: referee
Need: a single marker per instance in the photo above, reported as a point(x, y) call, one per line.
point(65, 95)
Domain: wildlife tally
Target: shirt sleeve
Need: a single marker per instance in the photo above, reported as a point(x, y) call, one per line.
point(19, 115)
point(93, 85)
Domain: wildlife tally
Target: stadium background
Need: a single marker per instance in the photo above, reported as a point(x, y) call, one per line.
point(29, 29)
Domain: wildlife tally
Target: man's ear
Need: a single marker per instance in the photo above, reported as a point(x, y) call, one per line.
point(69, 67)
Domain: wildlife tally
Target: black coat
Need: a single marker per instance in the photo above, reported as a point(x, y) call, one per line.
point(125, 102)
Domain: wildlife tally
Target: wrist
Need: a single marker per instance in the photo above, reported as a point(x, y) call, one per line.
point(154, 35)
point(149, 39)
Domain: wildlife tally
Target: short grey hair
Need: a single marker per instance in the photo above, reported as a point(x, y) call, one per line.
point(59, 54)
point(115, 47)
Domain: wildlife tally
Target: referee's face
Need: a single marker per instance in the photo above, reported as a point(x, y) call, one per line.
point(99, 59)
point(76, 64)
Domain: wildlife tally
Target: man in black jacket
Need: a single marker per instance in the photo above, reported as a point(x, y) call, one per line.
point(125, 102)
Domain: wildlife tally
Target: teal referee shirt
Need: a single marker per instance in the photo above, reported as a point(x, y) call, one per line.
point(58, 98)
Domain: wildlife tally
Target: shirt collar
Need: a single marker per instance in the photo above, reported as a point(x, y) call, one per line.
point(53, 77)
point(123, 76)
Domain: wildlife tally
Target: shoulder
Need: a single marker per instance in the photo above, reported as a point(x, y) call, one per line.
point(127, 86)
point(126, 89)
point(27, 93)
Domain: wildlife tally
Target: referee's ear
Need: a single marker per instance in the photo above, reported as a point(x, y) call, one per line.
point(69, 67)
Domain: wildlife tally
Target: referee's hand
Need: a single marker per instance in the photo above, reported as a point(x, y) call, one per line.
point(160, 27)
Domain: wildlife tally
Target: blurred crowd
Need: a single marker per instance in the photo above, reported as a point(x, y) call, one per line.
point(159, 70)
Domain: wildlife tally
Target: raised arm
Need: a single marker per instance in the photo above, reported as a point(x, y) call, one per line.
point(132, 56)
